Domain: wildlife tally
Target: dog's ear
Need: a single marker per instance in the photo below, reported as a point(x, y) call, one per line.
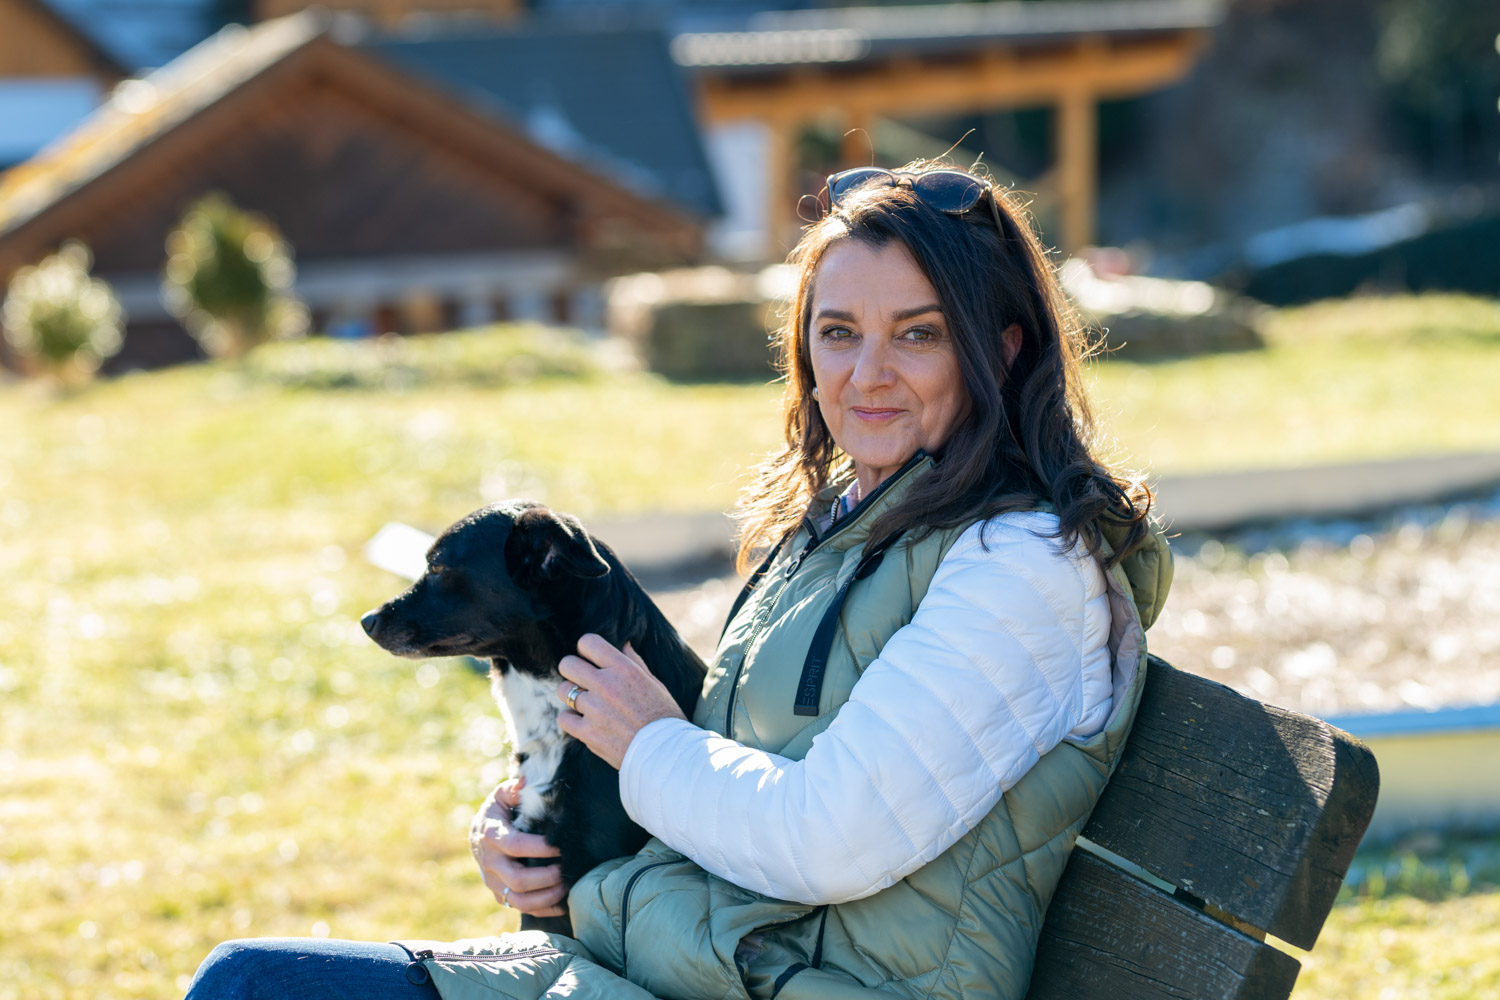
point(544, 545)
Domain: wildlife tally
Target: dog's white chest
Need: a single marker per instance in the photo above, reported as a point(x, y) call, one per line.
point(530, 707)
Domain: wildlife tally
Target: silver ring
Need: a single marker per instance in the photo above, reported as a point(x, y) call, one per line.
point(505, 896)
point(573, 698)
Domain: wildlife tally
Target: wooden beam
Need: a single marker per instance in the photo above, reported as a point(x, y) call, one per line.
point(1073, 77)
point(1077, 139)
point(1003, 76)
point(780, 163)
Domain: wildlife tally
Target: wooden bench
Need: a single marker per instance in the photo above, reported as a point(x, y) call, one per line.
point(1227, 820)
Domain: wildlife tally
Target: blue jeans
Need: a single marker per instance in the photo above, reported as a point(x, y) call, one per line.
point(277, 968)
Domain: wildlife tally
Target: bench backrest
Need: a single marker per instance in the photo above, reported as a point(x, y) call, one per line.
point(1243, 818)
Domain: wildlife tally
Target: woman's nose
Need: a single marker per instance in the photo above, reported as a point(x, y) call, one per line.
point(872, 368)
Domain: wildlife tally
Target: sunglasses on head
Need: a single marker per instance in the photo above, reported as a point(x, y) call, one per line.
point(953, 192)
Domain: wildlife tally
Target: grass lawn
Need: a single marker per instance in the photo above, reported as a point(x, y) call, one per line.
point(1338, 381)
point(1413, 920)
point(197, 742)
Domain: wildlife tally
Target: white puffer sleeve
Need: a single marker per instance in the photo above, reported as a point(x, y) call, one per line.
point(1006, 656)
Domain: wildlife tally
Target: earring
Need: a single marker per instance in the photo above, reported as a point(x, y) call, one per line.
point(815, 392)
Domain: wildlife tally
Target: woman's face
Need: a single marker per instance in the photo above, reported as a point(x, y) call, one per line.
point(882, 358)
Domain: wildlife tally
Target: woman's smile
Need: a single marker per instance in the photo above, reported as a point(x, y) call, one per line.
point(882, 358)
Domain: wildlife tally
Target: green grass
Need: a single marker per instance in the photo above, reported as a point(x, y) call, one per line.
point(196, 740)
point(1411, 921)
point(1338, 381)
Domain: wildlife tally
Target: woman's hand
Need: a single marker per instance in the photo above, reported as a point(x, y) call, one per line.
point(618, 697)
point(496, 845)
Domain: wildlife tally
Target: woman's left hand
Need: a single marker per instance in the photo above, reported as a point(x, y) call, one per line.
point(618, 697)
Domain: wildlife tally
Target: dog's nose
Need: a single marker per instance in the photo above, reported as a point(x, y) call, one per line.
point(371, 622)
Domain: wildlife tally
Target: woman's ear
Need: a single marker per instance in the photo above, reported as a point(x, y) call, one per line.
point(1010, 344)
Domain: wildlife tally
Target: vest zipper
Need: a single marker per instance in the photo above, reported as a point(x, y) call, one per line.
point(762, 619)
point(625, 909)
point(813, 541)
point(428, 954)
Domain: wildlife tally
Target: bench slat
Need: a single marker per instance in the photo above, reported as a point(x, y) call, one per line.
point(1252, 808)
point(1110, 935)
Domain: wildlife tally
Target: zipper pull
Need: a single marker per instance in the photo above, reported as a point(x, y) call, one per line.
point(796, 562)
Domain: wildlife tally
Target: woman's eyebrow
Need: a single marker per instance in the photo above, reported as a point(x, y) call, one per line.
point(896, 317)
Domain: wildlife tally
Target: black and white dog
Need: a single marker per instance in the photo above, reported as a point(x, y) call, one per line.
point(518, 584)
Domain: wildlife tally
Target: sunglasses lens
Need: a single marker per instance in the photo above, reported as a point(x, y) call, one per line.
point(845, 181)
point(949, 190)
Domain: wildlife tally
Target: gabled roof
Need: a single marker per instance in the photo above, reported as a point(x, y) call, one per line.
point(141, 110)
point(148, 122)
point(709, 39)
point(612, 99)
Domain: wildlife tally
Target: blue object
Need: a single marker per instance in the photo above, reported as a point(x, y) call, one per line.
point(310, 968)
point(1419, 721)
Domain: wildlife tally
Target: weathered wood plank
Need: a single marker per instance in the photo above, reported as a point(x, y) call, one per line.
point(1254, 809)
point(1109, 935)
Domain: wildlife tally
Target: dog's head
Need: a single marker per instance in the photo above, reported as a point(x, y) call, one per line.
point(494, 586)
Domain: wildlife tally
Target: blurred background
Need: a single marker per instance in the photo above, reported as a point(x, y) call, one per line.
point(276, 276)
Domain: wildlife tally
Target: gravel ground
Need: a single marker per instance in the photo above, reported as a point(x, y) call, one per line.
point(1329, 618)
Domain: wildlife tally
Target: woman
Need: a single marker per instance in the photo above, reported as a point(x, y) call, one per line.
point(925, 685)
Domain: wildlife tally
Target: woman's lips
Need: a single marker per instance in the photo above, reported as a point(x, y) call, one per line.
point(875, 414)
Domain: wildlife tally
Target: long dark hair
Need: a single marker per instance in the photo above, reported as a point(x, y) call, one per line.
point(1028, 437)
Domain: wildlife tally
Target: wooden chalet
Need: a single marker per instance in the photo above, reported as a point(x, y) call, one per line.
point(408, 208)
point(785, 70)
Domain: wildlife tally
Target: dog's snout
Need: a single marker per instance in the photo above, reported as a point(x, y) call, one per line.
point(371, 622)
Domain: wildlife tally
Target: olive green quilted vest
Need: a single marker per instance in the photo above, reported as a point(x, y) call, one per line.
point(964, 925)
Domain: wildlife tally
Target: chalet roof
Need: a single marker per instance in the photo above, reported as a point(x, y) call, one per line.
point(612, 99)
point(768, 39)
point(143, 110)
point(139, 110)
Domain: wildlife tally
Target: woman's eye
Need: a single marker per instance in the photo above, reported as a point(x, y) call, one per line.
point(835, 333)
point(923, 334)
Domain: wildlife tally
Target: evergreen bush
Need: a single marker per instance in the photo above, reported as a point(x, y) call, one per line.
point(61, 320)
point(228, 278)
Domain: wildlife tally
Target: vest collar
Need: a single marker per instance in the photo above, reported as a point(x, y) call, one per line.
point(853, 528)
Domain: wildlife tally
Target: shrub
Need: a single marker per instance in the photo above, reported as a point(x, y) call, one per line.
point(228, 278)
point(60, 319)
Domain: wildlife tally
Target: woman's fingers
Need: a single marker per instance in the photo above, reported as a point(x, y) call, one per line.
point(541, 903)
point(536, 891)
point(508, 793)
point(515, 844)
point(578, 670)
point(615, 697)
point(498, 847)
point(503, 872)
point(600, 651)
point(593, 670)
